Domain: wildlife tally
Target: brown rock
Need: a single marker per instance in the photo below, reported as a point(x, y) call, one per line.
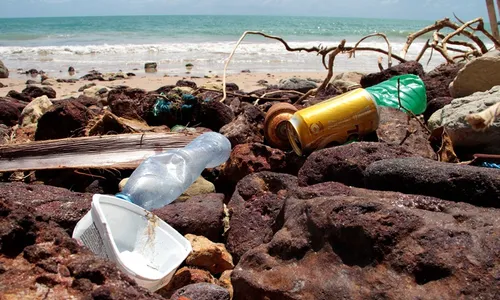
point(394, 127)
point(201, 291)
point(215, 115)
point(34, 91)
point(410, 67)
point(435, 105)
point(461, 183)
point(39, 260)
point(10, 111)
point(187, 83)
point(199, 215)
point(60, 205)
point(225, 282)
point(346, 163)
point(19, 96)
point(208, 255)
point(249, 158)
point(64, 119)
point(254, 208)
point(438, 80)
point(126, 102)
point(373, 245)
point(246, 128)
point(183, 277)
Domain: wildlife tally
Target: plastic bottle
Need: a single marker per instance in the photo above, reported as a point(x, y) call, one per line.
point(411, 93)
point(162, 178)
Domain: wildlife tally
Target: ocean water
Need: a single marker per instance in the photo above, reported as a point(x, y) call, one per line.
point(110, 44)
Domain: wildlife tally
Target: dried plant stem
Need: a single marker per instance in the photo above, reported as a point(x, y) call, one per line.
point(389, 48)
point(320, 50)
point(424, 48)
point(331, 59)
point(409, 111)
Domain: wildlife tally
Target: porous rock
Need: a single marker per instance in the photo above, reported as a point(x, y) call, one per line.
point(438, 80)
point(336, 242)
point(64, 119)
point(129, 103)
point(199, 215)
point(254, 208)
point(60, 205)
point(208, 255)
point(249, 158)
point(183, 277)
point(346, 163)
point(409, 67)
point(40, 260)
point(394, 127)
point(200, 186)
point(246, 128)
point(34, 91)
point(463, 183)
point(215, 115)
point(19, 96)
point(201, 291)
point(10, 111)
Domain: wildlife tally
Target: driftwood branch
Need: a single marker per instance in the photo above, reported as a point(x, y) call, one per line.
point(424, 48)
point(320, 50)
point(331, 60)
point(389, 48)
point(123, 151)
point(444, 23)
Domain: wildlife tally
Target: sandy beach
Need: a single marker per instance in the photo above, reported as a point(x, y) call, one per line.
point(247, 82)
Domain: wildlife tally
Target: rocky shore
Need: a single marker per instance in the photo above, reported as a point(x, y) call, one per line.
point(399, 214)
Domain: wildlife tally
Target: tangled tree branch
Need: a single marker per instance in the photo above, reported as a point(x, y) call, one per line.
point(323, 51)
point(352, 52)
point(446, 23)
point(331, 59)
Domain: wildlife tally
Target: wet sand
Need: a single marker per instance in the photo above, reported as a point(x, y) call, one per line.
point(247, 82)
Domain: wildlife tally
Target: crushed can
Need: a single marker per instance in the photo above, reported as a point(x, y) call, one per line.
point(333, 122)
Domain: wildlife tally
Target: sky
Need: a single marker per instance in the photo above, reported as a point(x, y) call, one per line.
point(397, 9)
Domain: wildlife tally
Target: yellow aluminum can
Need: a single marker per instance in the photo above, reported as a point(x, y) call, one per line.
point(333, 121)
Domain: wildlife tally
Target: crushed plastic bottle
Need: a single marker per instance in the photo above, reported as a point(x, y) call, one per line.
point(411, 92)
point(162, 178)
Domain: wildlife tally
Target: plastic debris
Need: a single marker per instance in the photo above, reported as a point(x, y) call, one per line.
point(353, 114)
point(162, 178)
point(142, 245)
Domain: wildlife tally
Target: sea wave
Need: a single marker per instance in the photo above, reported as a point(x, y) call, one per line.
point(201, 48)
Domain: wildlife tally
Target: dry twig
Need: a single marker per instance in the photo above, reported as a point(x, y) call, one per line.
point(389, 48)
point(409, 111)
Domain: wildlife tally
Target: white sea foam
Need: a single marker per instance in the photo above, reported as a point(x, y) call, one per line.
point(256, 56)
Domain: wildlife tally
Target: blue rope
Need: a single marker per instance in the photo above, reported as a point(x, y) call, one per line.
point(490, 165)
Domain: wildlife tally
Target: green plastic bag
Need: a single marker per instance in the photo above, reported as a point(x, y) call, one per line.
point(411, 91)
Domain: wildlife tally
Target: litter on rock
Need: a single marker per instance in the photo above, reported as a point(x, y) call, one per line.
point(123, 229)
point(353, 114)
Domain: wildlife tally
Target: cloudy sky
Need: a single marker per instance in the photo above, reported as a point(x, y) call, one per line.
point(400, 9)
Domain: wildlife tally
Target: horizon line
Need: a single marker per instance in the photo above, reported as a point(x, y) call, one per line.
point(216, 15)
